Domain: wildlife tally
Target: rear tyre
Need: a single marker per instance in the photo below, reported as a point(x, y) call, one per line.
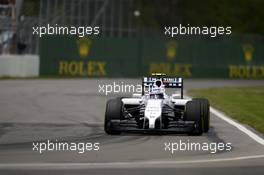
point(193, 113)
point(113, 112)
point(205, 106)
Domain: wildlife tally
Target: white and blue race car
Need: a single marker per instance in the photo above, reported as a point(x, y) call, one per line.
point(155, 111)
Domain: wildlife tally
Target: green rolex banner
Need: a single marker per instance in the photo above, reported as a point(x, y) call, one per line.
point(133, 57)
point(87, 57)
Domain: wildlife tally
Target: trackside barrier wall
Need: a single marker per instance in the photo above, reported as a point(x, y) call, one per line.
point(19, 65)
point(132, 57)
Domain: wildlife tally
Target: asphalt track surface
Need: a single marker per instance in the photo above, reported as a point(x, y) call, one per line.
point(73, 110)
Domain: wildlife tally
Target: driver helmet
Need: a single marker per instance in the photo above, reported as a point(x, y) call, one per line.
point(157, 91)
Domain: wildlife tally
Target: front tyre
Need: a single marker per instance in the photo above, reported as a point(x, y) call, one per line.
point(193, 113)
point(205, 109)
point(113, 112)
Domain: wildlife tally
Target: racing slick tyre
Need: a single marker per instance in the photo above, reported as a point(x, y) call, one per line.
point(205, 105)
point(193, 113)
point(113, 112)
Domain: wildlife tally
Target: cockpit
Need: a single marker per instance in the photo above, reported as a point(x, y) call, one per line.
point(157, 91)
point(156, 96)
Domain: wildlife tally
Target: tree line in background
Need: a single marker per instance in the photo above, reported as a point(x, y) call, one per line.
point(245, 16)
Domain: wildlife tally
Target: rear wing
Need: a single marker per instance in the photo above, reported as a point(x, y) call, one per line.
point(168, 82)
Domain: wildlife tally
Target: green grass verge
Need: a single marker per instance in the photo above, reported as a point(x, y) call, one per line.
point(245, 104)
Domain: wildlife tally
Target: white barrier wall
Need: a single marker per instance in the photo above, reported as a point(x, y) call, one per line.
point(19, 65)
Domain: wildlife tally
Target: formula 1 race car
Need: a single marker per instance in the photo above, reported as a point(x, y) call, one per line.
point(155, 111)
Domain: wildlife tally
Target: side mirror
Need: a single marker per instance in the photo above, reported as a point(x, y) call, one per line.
point(137, 95)
point(176, 96)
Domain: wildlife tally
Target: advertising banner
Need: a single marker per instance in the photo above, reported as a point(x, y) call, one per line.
point(127, 57)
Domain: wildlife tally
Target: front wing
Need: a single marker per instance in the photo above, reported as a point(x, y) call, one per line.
point(174, 127)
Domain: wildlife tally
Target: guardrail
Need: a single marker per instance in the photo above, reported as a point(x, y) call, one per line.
point(19, 66)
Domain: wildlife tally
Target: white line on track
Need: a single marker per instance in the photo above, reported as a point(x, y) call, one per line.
point(237, 125)
point(120, 164)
